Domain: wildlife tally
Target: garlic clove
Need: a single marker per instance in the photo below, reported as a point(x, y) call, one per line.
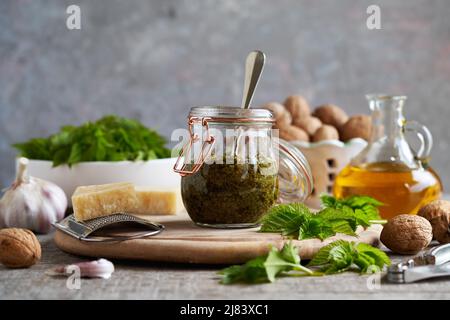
point(101, 268)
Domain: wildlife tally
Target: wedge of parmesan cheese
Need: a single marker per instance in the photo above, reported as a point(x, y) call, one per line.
point(153, 201)
point(102, 200)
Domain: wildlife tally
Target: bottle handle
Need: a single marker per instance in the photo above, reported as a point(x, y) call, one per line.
point(425, 137)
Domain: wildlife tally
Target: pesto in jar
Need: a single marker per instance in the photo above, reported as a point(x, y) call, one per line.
point(236, 193)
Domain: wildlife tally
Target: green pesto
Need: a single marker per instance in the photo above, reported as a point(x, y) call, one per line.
point(230, 193)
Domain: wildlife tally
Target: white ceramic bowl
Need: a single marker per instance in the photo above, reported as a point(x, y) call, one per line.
point(154, 173)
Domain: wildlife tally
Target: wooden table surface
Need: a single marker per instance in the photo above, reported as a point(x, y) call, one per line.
point(133, 280)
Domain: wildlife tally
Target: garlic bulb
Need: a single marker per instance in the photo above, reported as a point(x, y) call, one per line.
point(101, 268)
point(32, 203)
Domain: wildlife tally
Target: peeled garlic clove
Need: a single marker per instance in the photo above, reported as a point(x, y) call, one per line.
point(32, 203)
point(101, 268)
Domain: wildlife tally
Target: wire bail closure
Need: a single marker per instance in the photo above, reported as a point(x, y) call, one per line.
point(205, 151)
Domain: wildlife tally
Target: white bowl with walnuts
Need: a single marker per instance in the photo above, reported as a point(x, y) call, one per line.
point(326, 135)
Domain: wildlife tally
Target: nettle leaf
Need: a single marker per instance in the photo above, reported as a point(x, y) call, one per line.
point(266, 268)
point(332, 213)
point(340, 258)
point(343, 226)
point(371, 212)
point(276, 263)
point(367, 205)
point(251, 272)
point(316, 227)
point(337, 216)
point(328, 201)
point(323, 255)
point(336, 257)
point(380, 257)
point(354, 202)
point(285, 219)
point(365, 262)
point(362, 218)
point(361, 201)
point(343, 255)
point(290, 253)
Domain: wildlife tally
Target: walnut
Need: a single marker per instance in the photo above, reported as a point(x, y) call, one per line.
point(298, 107)
point(325, 132)
point(291, 133)
point(309, 124)
point(358, 126)
point(331, 115)
point(407, 234)
point(19, 248)
point(438, 213)
point(282, 116)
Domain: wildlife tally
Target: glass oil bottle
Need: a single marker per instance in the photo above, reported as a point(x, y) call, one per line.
point(388, 169)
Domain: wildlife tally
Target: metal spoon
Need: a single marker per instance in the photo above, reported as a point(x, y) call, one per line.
point(254, 65)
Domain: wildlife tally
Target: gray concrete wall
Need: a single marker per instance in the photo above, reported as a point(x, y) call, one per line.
point(155, 59)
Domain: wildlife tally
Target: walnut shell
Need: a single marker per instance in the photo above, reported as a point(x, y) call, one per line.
point(358, 126)
point(291, 133)
point(298, 107)
point(325, 132)
point(282, 116)
point(331, 114)
point(309, 124)
point(438, 213)
point(19, 248)
point(407, 234)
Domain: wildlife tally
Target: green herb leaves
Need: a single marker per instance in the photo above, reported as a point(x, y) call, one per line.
point(266, 268)
point(338, 216)
point(297, 221)
point(363, 206)
point(285, 260)
point(338, 256)
point(109, 139)
point(342, 255)
point(285, 219)
point(251, 272)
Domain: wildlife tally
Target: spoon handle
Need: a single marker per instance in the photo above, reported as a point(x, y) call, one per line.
point(254, 65)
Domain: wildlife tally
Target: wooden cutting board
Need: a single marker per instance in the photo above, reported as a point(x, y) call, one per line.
point(184, 242)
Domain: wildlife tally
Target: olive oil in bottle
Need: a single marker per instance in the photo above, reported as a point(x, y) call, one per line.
point(400, 189)
point(388, 169)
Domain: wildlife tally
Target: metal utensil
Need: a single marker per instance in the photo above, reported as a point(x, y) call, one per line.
point(431, 264)
point(254, 65)
point(83, 230)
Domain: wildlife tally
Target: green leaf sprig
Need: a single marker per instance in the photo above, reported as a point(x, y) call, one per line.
point(266, 268)
point(361, 205)
point(295, 220)
point(338, 256)
point(342, 255)
point(111, 138)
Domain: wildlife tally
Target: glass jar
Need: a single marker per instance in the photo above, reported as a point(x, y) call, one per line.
point(388, 169)
point(235, 168)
